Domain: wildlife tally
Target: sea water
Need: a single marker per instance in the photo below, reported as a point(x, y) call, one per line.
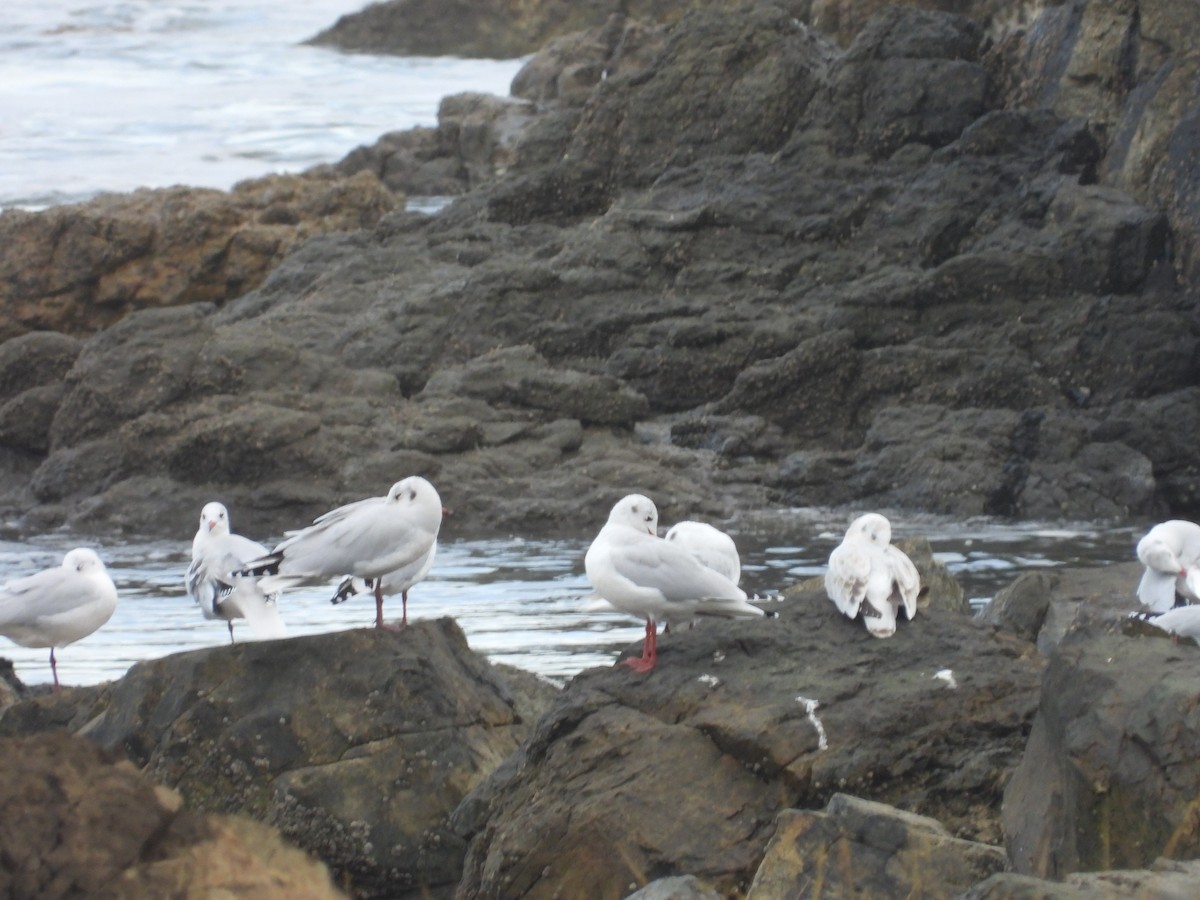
point(520, 601)
point(112, 96)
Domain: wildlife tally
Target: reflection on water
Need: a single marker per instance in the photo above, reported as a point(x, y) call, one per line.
point(521, 602)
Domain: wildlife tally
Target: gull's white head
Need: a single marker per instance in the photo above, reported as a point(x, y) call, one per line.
point(214, 518)
point(419, 496)
point(873, 527)
point(637, 511)
point(84, 560)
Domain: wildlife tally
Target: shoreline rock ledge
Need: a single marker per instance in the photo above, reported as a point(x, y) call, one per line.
point(357, 745)
point(757, 758)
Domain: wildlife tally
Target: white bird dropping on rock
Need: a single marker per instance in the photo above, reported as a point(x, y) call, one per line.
point(653, 579)
point(1170, 551)
point(58, 606)
point(867, 574)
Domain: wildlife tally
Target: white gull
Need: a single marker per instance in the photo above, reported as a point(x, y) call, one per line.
point(1170, 551)
point(867, 574)
point(643, 575)
point(214, 580)
point(58, 606)
point(367, 539)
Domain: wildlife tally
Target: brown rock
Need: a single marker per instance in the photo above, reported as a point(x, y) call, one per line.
point(356, 744)
point(76, 824)
point(863, 849)
point(79, 268)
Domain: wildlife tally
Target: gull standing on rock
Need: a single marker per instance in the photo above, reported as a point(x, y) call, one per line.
point(367, 539)
point(213, 578)
point(58, 606)
point(1170, 551)
point(867, 574)
point(646, 576)
point(397, 582)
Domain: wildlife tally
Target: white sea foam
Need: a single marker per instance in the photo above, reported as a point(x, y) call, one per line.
point(100, 96)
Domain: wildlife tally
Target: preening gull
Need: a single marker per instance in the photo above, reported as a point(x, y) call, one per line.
point(713, 547)
point(1170, 551)
point(654, 579)
point(58, 606)
point(213, 578)
point(367, 539)
point(867, 574)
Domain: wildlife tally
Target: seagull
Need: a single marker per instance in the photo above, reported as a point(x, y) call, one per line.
point(710, 545)
point(866, 573)
point(58, 606)
point(213, 578)
point(1182, 621)
point(1170, 551)
point(367, 539)
point(643, 575)
point(398, 582)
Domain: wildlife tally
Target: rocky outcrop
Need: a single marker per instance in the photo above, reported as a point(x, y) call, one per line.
point(737, 724)
point(856, 847)
point(836, 277)
point(78, 269)
point(1043, 606)
point(1165, 880)
point(357, 745)
point(497, 29)
point(1109, 777)
point(78, 824)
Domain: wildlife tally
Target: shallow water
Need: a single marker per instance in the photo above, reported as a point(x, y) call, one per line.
point(522, 602)
point(112, 96)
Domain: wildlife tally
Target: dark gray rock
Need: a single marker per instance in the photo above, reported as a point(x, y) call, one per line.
point(723, 727)
point(747, 269)
point(357, 745)
point(1108, 778)
point(1165, 880)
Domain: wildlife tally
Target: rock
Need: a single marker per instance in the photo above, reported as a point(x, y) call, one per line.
point(519, 375)
point(357, 745)
point(725, 729)
point(497, 29)
point(1165, 880)
point(870, 850)
point(684, 887)
point(1108, 778)
point(81, 825)
point(748, 268)
point(567, 68)
point(82, 267)
point(912, 77)
point(1043, 606)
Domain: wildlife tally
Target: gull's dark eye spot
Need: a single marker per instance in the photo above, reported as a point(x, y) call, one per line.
point(412, 495)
